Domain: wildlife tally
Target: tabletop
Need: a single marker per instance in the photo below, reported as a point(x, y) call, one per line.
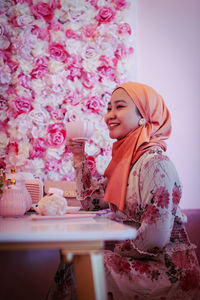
point(79, 237)
point(90, 228)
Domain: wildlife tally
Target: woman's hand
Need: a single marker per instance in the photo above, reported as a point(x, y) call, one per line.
point(77, 147)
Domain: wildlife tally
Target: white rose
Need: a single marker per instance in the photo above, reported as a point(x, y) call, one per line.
point(25, 65)
point(24, 125)
point(54, 176)
point(4, 140)
point(58, 36)
point(56, 66)
point(102, 163)
point(66, 167)
point(38, 131)
point(92, 149)
point(39, 116)
point(91, 65)
point(25, 20)
point(40, 48)
point(38, 164)
point(5, 75)
point(4, 42)
point(108, 84)
point(74, 46)
point(21, 91)
point(73, 113)
point(2, 152)
point(3, 115)
point(38, 86)
point(23, 148)
point(55, 152)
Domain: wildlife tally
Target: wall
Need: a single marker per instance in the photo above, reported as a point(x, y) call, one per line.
point(168, 48)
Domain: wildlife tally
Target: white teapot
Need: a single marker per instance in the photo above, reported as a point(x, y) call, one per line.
point(16, 199)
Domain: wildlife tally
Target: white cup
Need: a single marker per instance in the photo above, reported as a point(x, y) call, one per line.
point(79, 130)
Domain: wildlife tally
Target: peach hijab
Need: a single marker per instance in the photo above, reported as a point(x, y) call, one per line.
point(128, 150)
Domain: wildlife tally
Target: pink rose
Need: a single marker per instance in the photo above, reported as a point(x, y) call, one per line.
point(24, 80)
point(89, 80)
point(106, 14)
point(56, 114)
point(70, 34)
point(39, 72)
point(22, 105)
point(92, 104)
point(91, 164)
point(55, 26)
point(108, 61)
point(54, 4)
point(41, 33)
point(122, 51)
point(2, 163)
point(89, 30)
point(56, 135)
point(75, 71)
point(52, 165)
point(58, 52)
point(93, 3)
point(39, 148)
point(13, 65)
point(11, 90)
point(41, 61)
point(120, 4)
point(124, 28)
point(42, 11)
point(106, 72)
point(74, 98)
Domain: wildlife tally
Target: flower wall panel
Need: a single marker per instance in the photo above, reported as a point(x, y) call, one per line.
point(59, 61)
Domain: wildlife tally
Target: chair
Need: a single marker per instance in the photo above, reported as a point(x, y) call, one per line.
point(69, 188)
point(35, 188)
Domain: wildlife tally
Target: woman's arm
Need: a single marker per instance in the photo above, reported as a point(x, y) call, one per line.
point(158, 195)
point(90, 191)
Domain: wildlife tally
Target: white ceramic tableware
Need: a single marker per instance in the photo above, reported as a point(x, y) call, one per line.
point(80, 129)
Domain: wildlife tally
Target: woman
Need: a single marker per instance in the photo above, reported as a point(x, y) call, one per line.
point(142, 188)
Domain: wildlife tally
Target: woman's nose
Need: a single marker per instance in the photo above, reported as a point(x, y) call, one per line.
point(111, 114)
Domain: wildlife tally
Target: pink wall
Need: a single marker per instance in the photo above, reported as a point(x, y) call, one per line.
point(168, 59)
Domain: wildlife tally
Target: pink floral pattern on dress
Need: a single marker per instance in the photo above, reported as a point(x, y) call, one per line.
point(161, 197)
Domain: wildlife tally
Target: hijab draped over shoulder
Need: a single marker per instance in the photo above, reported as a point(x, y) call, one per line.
point(128, 150)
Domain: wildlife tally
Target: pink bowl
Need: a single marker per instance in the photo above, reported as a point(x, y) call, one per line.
point(79, 129)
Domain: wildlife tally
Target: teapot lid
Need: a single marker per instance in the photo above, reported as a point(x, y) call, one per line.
point(14, 175)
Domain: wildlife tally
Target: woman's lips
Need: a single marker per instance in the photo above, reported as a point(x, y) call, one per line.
point(112, 125)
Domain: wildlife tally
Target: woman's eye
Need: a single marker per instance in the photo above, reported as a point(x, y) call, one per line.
point(108, 108)
point(120, 106)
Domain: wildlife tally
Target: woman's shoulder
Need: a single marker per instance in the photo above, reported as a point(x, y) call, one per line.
point(156, 159)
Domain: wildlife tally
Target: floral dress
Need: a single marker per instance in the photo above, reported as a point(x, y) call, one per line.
point(161, 262)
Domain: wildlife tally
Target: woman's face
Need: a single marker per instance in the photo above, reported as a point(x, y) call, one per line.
point(122, 116)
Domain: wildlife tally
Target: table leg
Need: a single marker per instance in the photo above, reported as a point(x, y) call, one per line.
point(88, 267)
point(89, 274)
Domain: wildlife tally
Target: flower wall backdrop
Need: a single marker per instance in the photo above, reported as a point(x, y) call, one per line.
point(59, 61)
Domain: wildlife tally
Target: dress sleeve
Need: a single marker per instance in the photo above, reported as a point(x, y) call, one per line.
point(160, 192)
point(90, 190)
point(158, 195)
